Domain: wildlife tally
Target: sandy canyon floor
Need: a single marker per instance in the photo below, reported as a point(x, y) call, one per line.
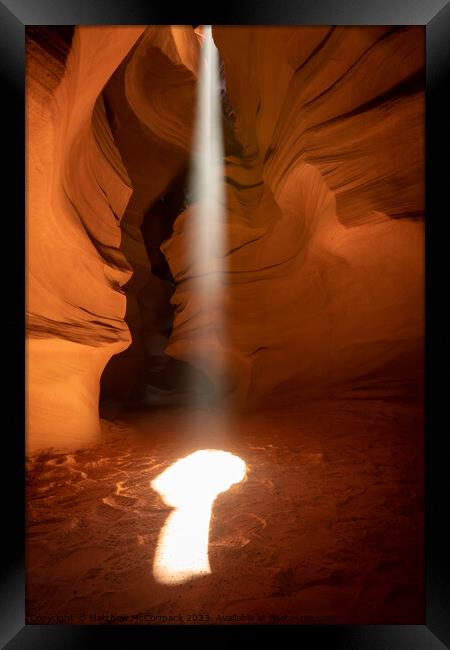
point(328, 523)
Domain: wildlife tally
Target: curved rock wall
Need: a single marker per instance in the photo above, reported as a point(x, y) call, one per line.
point(150, 102)
point(75, 271)
point(103, 146)
point(324, 186)
point(325, 214)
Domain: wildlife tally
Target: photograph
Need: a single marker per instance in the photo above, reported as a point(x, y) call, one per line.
point(225, 308)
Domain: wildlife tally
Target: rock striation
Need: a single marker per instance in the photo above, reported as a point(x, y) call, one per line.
point(324, 168)
point(325, 215)
point(83, 239)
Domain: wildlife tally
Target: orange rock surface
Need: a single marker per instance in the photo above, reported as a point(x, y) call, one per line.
point(324, 185)
point(78, 190)
point(325, 207)
point(319, 337)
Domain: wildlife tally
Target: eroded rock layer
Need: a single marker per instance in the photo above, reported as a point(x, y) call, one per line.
point(323, 130)
point(79, 185)
point(325, 207)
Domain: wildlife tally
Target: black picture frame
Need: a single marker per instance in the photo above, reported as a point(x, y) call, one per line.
point(435, 16)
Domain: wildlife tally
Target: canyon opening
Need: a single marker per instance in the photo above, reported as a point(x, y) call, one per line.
point(224, 310)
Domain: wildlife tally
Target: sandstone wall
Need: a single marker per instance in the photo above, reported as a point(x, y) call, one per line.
point(107, 131)
point(325, 216)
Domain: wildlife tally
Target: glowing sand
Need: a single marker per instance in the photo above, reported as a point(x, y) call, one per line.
point(190, 486)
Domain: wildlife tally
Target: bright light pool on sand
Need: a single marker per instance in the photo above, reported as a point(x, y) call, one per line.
point(190, 486)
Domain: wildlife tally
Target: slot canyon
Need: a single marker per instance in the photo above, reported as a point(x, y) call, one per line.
point(305, 363)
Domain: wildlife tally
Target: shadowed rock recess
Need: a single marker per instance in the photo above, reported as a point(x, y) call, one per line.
point(322, 308)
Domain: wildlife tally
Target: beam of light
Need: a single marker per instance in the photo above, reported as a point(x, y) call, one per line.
point(206, 197)
point(190, 486)
point(206, 190)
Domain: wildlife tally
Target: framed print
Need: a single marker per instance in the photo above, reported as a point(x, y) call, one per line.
point(233, 382)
